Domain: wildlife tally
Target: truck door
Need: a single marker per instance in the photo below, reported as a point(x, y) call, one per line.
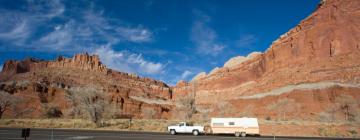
point(189, 128)
point(182, 128)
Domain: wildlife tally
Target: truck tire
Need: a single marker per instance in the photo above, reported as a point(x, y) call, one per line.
point(172, 132)
point(243, 134)
point(237, 134)
point(195, 132)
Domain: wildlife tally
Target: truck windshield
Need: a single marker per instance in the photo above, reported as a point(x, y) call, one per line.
point(189, 124)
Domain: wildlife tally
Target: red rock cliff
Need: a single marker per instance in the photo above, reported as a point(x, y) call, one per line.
point(40, 83)
point(320, 53)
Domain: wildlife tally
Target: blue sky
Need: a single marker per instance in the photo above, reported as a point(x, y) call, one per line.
point(168, 40)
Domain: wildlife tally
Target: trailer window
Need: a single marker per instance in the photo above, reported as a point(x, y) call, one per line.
point(218, 124)
point(231, 123)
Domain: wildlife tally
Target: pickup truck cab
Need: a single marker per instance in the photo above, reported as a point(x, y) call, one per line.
point(185, 127)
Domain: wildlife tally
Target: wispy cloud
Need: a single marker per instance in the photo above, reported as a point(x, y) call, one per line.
point(89, 29)
point(14, 27)
point(18, 26)
point(19, 32)
point(137, 34)
point(58, 39)
point(45, 8)
point(204, 37)
point(128, 62)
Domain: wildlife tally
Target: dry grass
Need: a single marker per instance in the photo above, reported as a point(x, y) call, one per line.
point(111, 124)
point(267, 127)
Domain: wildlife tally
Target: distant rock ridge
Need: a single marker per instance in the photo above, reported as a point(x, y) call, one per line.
point(82, 61)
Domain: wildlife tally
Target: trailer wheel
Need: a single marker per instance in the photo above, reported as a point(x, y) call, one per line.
point(237, 134)
point(243, 134)
point(195, 132)
point(172, 132)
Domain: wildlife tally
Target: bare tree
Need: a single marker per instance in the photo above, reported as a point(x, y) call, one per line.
point(186, 106)
point(6, 102)
point(89, 100)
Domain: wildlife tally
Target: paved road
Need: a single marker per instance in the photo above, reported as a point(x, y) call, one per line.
point(66, 134)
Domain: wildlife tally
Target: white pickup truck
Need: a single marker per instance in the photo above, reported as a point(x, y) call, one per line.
point(184, 127)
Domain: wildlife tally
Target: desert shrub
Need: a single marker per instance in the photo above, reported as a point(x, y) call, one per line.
point(353, 131)
point(53, 112)
point(328, 132)
point(268, 118)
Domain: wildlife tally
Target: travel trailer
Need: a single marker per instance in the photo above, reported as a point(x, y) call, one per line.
point(236, 126)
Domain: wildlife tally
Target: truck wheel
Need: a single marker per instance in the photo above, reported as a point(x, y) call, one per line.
point(195, 132)
point(237, 134)
point(243, 134)
point(172, 132)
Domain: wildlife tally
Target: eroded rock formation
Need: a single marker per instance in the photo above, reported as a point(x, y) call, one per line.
point(41, 84)
point(319, 56)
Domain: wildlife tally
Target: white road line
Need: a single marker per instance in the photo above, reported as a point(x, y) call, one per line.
point(80, 137)
point(10, 133)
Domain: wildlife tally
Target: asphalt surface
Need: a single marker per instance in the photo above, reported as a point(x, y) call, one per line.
point(67, 134)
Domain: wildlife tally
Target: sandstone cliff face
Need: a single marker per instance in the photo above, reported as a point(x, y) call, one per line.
point(80, 61)
point(321, 53)
point(42, 83)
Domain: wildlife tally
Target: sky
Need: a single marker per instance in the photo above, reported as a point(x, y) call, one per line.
point(168, 40)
